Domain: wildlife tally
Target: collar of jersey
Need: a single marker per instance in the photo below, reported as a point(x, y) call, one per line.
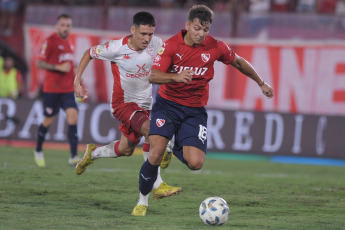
point(125, 41)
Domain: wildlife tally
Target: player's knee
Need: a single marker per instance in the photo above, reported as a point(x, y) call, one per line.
point(195, 165)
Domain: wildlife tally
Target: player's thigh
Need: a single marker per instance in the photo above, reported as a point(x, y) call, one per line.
point(68, 103)
point(193, 131)
point(51, 104)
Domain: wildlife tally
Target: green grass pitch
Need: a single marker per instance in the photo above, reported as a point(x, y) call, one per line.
point(261, 195)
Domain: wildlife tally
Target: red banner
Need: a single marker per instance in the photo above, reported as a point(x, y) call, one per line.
point(307, 78)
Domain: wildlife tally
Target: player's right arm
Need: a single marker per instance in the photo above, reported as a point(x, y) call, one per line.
point(63, 67)
point(160, 77)
point(80, 92)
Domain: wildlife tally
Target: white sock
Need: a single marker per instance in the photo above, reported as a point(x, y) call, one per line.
point(104, 151)
point(158, 180)
point(143, 199)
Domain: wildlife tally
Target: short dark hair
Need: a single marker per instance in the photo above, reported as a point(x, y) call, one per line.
point(144, 18)
point(64, 15)
point(201, 12)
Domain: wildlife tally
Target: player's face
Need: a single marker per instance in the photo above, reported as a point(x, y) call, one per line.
point(196, 32)
point(142, 36)
point(63, 27)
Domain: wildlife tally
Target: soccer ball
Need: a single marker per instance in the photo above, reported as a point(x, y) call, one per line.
point(214, 211)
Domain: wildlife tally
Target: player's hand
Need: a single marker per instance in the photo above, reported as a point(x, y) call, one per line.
point(80, 92)
point(185, 76)
point(267, 90)
point(64, 67)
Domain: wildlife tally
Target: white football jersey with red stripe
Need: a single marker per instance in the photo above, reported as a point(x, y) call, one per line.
point(131, 69)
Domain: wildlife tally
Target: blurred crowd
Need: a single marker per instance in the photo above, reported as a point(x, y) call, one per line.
point(316, 6)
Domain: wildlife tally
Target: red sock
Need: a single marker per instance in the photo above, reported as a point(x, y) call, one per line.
point(116, 149)
point(146, 147)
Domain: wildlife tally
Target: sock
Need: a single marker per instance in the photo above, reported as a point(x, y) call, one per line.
point(105, 151)
point(41, 134)
point(146, 149)
point(158, 180)
point(143, 199)
point(73, 139)
point(147, 177)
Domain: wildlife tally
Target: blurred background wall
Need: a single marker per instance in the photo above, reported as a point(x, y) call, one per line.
point(295, 45)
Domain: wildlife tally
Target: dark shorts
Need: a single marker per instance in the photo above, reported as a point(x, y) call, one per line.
point(189, 124)
point(52, 102)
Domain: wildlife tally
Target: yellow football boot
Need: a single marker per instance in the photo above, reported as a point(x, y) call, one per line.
point(86, 160)
point(39, 159)
point(139, 210)
point(167, 155)
point(165, 190)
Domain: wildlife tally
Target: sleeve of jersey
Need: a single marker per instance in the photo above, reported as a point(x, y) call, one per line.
point(105, 51)
point(44, 51)
point(227, 55)
point(163, 59)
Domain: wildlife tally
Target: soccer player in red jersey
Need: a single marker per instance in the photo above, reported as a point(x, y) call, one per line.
point(57, 58)
point(184, 68)
point(131, 60)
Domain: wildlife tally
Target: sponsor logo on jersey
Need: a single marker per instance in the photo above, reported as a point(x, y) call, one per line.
point(160, 122)
point(142, 70)
point(197, 71)
point(66, 57)
point(180, 56)
point(99, 50)
point(205, 57)
point(61, 47)
point(157, 58)
point(126, 57)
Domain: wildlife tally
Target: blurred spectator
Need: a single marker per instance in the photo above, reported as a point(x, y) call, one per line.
point(326, 6)
point(283, 5)
point(9, 10)
point(306, 5)
point(259, 6)
point(166, 3)
point(340, 7)
point(11, 81)
point(224, 5)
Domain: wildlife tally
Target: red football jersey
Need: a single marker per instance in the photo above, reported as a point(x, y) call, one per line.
point(175, 56)
point(56, 50)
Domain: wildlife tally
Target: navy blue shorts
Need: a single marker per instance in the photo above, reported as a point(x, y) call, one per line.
point(189, 124)
point(52, 102)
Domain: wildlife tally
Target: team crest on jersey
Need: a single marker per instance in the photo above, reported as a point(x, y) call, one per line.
point(205, 57)
point(160, 122)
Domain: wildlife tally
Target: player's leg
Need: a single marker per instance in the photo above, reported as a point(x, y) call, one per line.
point(130, 128)
point(68, 103)
point(148, 172)
point(50, 109)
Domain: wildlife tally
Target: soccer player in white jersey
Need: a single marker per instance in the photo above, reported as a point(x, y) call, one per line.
point(131, 60)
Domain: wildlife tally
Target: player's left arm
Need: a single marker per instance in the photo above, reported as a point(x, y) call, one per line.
point(247, 69)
